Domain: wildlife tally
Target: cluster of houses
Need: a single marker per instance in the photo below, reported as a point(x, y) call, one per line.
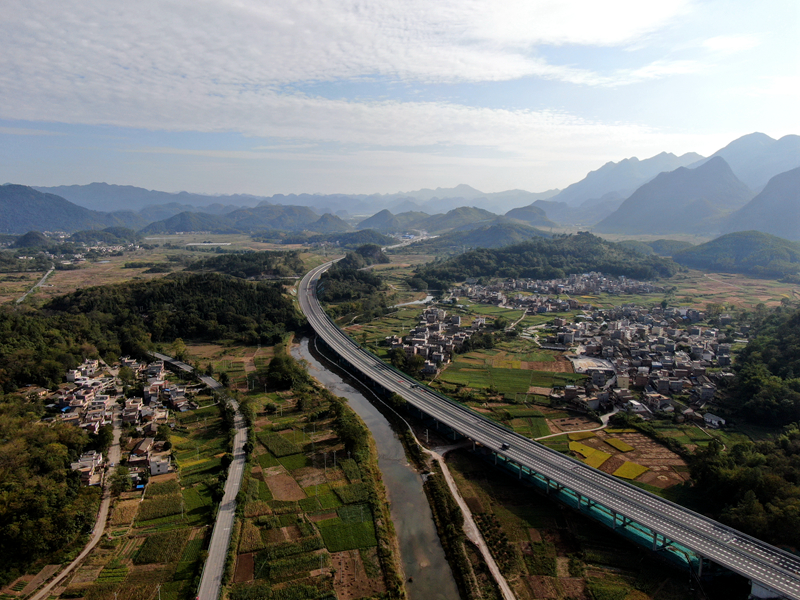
point(537, 296)
point(660, 352)
point(90, 398)
point(435, 338)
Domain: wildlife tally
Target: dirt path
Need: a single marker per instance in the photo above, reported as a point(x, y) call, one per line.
point(471, 528)
point(738, 287)
point(250, 365)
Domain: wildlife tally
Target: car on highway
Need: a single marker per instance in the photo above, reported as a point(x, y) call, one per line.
point(504, 446)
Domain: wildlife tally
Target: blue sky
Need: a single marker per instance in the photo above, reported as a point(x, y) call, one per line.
point(263, 97)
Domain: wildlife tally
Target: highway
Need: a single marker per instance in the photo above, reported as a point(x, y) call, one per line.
point(758, 561)
point(214, 568)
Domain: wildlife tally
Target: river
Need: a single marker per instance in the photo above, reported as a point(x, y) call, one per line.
point(421, 552)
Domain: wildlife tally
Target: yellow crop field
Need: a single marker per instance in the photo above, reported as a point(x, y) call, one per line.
point(630, 470)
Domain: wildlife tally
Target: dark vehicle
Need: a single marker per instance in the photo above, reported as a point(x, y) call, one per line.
point(505, 446)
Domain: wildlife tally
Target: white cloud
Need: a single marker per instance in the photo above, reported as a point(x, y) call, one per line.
point(728, 44)
point(250, 44)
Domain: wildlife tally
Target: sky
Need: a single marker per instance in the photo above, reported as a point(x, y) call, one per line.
point(353, 96)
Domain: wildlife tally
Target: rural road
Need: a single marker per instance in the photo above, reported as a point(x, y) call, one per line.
point(41, 281)
point(102, 516)
point(214, 569)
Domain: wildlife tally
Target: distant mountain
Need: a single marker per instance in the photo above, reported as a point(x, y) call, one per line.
point(776, 210)
point(455, 218)
point(329, 223)
point(532, 215)
point(272, 216)
point(756, 158)
point(104, 196)
point(487, 236)
point(681, 201)
point(191, 221)
point(751, 252)
point(385, 222)
point(159, 212)
point(621, 178)
point(267, 217)
point(23, 209)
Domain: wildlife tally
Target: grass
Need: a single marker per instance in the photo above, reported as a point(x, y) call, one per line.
point(577, 437)
point(161, 489)
point(349, 536)
point(295, 461)
point(188, 563)
point(160, 506)
point(279, 445)
point(630, 470)
point(350, 494)
point(266, 460)
point(197, 504)
point(162, 547)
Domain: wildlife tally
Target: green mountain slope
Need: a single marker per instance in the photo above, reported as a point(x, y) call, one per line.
point(751, 252)
point(532, 215)
point(329, 223)
point(456, 218)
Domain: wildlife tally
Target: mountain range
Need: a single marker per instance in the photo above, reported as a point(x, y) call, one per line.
point(680, 201)
point(662, 194)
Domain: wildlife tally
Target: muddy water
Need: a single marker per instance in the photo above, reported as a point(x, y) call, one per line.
point(422, 554)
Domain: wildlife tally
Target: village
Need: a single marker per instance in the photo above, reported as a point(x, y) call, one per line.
point(647, 361)
point(94, 397)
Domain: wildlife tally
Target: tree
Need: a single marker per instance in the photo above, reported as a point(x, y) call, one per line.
point(224, 378)
point(126, 375)
point(121, 480)
point(163, 433)
point(104, 438)
point(179, 349)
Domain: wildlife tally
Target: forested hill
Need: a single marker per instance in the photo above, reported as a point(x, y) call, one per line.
point(541, 258)
point(755, 487)
point(767, 388)
point(253, 265)
point(751, 252)
point(39, 346)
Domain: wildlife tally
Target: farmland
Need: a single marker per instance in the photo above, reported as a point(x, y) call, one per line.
point(307, 504)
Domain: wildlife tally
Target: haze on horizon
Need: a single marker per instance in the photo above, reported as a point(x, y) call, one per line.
point(270, 97)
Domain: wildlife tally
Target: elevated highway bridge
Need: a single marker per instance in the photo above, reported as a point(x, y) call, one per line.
point(677, 533)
